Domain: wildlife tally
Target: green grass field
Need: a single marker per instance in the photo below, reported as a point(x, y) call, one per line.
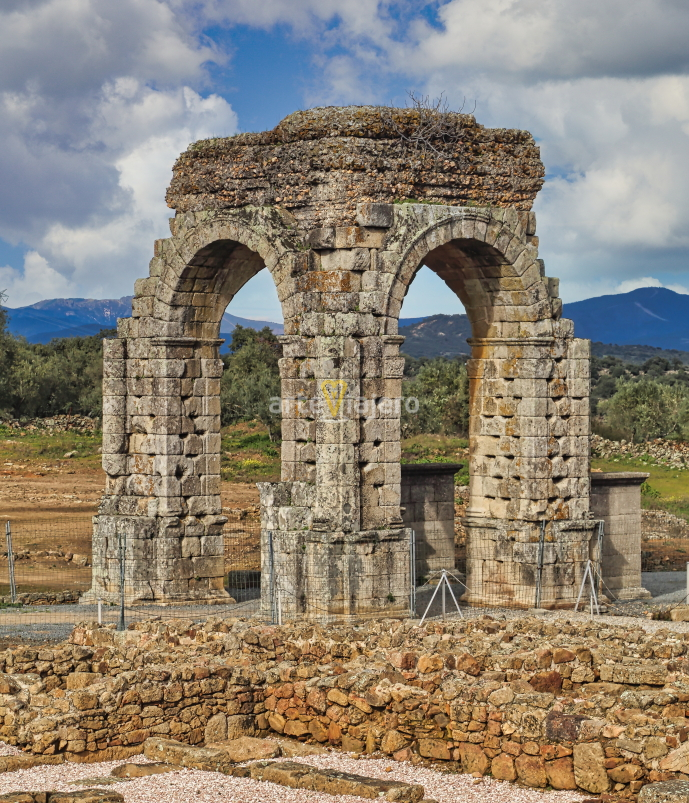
point(37, 445)
point(666, 488)
point(248, 455)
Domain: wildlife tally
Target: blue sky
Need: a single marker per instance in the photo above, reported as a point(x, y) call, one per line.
point(98, 98)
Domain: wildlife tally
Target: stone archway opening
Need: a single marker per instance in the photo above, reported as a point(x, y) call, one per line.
point(528, 424)
point(162, 437)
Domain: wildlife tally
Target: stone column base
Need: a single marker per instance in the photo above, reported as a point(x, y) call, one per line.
point(627, 594)
point(502, 565)
point(162, 565)
point(92, 596)
point(335, 576)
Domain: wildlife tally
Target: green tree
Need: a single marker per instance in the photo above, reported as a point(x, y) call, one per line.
point(251, 378)
point(7, 351)
point(441, 387)
point(647, 409)
point(62, 376)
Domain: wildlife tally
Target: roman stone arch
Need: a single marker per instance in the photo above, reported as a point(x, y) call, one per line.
point(529, 427)
point(317, 202)
point(161, 422)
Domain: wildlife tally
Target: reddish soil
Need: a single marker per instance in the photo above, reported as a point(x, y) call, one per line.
point(74, 488)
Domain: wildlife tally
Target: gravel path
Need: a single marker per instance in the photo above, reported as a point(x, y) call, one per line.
point(194, 786)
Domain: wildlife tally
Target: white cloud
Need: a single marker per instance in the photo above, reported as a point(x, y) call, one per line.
point(36, 282)
point(604, 87)
point(158, 126)
point(96, 102)
point(97, 99)
point(354, 19)
point(648, 281)
point(534, 40)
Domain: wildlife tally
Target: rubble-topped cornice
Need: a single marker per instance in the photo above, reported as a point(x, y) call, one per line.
point(320, 163)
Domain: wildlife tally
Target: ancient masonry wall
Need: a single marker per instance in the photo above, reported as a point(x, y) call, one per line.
point(557, 704)
point(428, 508)
point(342, 207)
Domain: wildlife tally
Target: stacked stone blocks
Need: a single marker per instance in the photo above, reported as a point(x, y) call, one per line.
point(341, 277)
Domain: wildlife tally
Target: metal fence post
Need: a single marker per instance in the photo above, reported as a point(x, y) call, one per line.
point(10, 562)
point(121, 625)
point(539, 573)
point(412, 574)
point(271, 578)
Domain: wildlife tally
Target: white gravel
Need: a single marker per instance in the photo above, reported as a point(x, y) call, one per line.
point(194, 786)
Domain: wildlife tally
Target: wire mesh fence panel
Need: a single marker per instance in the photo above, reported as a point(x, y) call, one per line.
point(666, 554)
point(47, 560)
point(46, 569)
point(242, 537)
point(45, 566)
point(45, 574)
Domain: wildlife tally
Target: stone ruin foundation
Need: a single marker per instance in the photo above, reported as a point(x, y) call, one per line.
point(343, 206)
point(546, 702)
point(616, 500)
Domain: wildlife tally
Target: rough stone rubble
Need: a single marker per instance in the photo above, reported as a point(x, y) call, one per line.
point(543, 703)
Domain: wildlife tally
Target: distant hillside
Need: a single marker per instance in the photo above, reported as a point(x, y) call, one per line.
point(637, 354)
point(632, 326)
point(80, 317)
point(651, 316)
point(437, 336)
point(649, 322)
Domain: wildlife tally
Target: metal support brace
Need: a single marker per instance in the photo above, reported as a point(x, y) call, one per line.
point(10, 562)
point(589, 575)
point(443, 583)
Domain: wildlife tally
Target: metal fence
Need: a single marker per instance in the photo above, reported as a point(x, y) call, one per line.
point(45, 568)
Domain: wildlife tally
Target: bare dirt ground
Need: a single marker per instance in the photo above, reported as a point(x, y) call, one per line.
point(34, 489)
point(49, 504)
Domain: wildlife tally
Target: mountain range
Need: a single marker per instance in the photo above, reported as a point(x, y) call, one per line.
point(639, 323)
point(81, 317)
point(633, 326)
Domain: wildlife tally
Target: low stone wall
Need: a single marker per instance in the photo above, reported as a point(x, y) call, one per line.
point(540, 702)
point(42, 598)
point(656, 524)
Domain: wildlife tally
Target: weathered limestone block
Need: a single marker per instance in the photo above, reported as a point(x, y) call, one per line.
point(183, 755)
point(427, 496)
point(589, 768)
point(333, 782)
point(616, 499)
point(665, 792)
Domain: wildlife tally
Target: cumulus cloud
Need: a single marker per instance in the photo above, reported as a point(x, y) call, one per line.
point(604, 87)
point(348, 22)
point(534, 40)
point(648, 281)
point(96, 101)
point(97, 98)
point(35, 282)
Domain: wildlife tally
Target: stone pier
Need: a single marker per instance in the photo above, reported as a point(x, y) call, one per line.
point(616, 499)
